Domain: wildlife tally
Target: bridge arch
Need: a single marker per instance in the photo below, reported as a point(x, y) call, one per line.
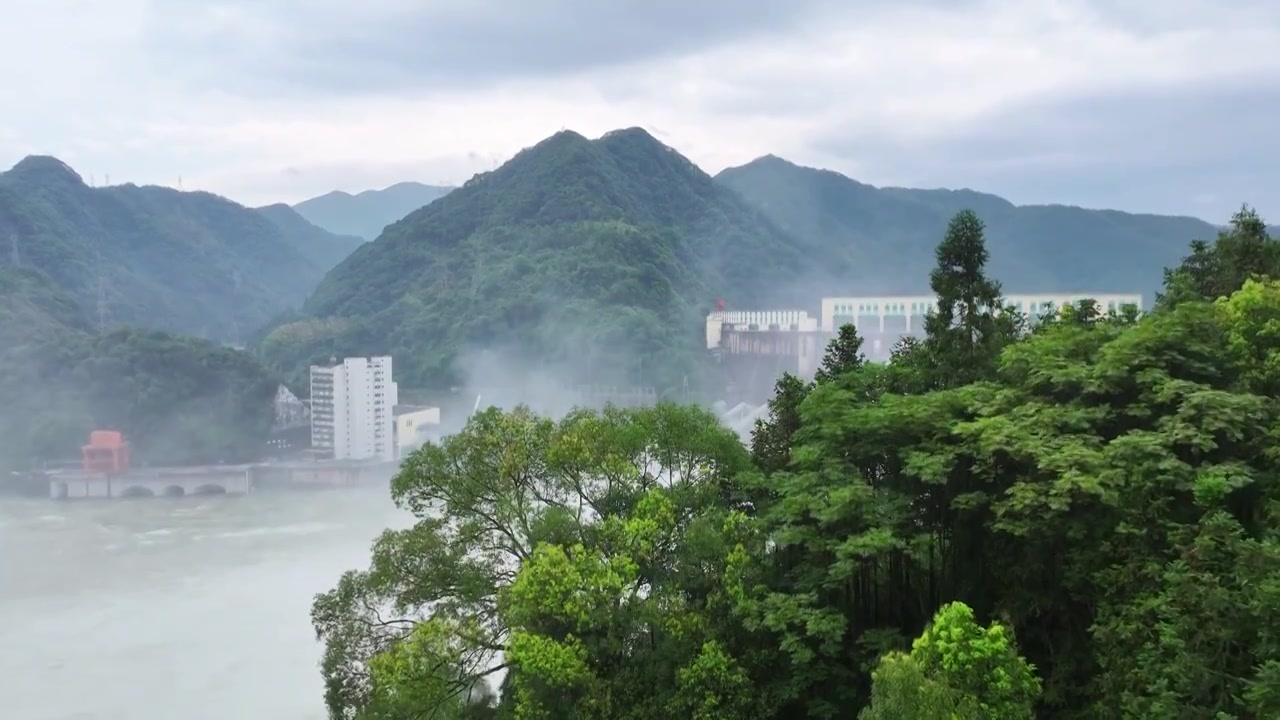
point(137, 491)
point(174, 491)
point(210, 489)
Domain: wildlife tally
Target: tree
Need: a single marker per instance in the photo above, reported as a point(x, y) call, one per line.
point(771, 437)
point(542, 548)
point(1216, 270)
point(963, 333)
point(843, 354)
point(955, 669)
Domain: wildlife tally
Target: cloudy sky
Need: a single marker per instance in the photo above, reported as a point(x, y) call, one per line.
point(1169, 106)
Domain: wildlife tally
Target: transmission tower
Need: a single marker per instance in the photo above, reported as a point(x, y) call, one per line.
point(104, 312)
point(15, 258)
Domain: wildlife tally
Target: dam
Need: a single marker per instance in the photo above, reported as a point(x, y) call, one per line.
point(216, 479)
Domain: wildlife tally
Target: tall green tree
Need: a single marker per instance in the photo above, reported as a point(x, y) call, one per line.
point(963, 332)
point(843, 354)
point(772, 436)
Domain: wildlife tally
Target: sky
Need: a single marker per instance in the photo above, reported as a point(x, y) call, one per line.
point(1168, 107)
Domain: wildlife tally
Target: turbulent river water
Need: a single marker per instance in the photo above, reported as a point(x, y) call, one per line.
point(173, 609)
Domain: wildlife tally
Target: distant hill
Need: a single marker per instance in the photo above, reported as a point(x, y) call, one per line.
point(189, 262)
point(600, 255)
point(889, 234)
point(179, 399)
point(322, 247)
point(365, 214)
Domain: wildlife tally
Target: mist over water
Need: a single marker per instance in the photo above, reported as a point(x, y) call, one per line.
point(164, 609)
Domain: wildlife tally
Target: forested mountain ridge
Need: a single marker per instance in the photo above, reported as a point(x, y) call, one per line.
point(367, 213)
point(889, 233)
point(190, 262)
point(178, 399)
point(602, 252)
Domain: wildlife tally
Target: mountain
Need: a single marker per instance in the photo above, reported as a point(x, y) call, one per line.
point(322, 247)
point(33, 311)
point(178, 399)
point(190, 262)
point(601, 255)
point(890, 234)
point(365, 214)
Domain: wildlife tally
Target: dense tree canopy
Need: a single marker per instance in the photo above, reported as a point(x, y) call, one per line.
point(1075, 519)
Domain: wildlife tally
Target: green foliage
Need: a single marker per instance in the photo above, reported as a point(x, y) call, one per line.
point(1212, 271)
point(771, 437)
point(843, 354)
point(1103, 487)
point(192, 262)
point(588, 552)
point(965, 334)
point(178, 400)
point(961, 669)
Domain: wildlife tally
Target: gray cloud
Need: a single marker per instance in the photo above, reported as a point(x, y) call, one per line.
point(1187, 149)
point(1093, 102)
point(301, 46)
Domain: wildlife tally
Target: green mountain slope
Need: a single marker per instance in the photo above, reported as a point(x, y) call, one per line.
point(597, 254)
point(890, 233)
point(366, 214)
point(33, 311)
point(179, 400)
point(322, 247)
point(190, 262)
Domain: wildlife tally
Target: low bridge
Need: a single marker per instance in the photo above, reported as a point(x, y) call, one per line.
point(169, 482)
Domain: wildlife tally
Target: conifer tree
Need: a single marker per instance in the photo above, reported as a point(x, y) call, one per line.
point(963, 333)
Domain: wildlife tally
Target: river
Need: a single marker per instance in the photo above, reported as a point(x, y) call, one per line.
point(174, 609)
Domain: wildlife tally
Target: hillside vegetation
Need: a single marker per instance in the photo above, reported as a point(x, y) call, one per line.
point(889, 233)
point(599, 256)
point(1076, 521)
point(322, 248)
point(179, 400)
point(366, 214)
point(187, 262)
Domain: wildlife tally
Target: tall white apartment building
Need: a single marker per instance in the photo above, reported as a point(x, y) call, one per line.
point(351, 404)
